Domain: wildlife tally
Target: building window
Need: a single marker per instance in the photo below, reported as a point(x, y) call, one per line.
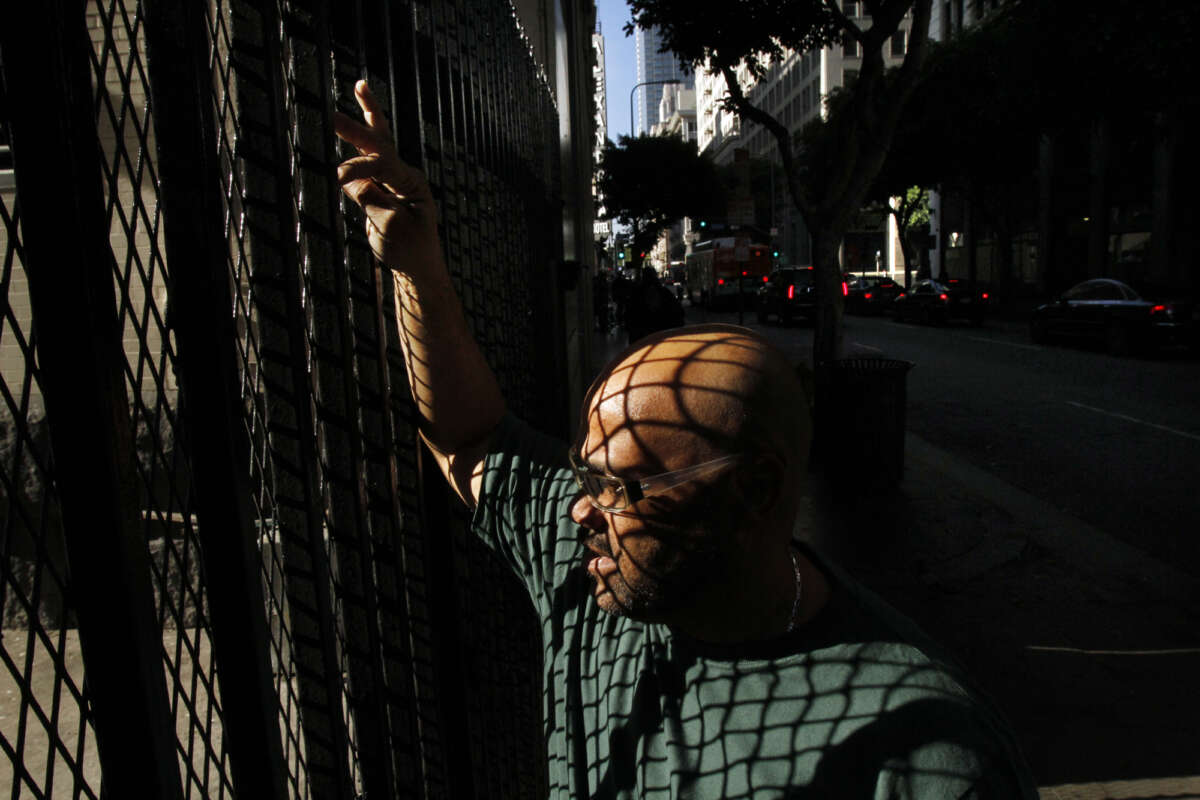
point(899, 42)
point(850, 47)
point(850, 8)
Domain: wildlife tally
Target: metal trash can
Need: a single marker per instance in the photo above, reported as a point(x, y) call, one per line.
point(863, 436)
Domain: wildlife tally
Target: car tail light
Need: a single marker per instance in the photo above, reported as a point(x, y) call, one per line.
point(984, 295)
point(791, 291)
point(943, 297)
point(765, 279)
point(867, 296)
point(720, 281)
point(845, 289)
point(1165, 310)
point(745, 273)
point(902, 294)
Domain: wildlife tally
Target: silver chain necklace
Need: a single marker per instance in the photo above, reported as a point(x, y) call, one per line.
point(799, 591)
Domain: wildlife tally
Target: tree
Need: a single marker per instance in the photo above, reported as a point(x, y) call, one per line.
point(651, 182)
point(910, 209)
point(752, 33)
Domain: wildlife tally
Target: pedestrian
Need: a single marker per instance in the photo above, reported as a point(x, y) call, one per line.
point(692, 649)
point(621, 287)
point(600, 301)
point(651, 307)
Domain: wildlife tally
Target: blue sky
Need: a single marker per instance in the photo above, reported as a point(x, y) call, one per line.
point(619, 63)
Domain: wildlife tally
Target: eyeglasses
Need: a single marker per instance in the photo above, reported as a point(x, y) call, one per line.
point(610, 493)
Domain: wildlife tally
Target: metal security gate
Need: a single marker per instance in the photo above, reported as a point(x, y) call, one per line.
point(225, 568)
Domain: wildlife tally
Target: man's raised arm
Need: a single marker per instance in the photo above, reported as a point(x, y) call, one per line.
point(457, 395)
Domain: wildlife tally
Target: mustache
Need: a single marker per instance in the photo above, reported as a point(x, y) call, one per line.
point(595, 541)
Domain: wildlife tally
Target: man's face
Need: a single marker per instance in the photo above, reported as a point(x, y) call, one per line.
point(652, 558)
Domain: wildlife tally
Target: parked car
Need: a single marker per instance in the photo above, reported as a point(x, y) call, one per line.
point(1115, 314)
point(789, 293)
point(931, 302)
point(871, 294)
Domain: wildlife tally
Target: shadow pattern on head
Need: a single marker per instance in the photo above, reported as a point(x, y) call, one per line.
point(671, 401)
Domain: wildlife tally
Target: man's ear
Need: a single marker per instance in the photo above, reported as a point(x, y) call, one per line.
point(760, 481)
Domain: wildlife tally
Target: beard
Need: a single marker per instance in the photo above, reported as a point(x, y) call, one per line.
point(662, 582)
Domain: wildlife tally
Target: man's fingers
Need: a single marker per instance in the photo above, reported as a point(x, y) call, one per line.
point(372, 112)
point(369, 194)
point(367, 166)
point(367, 140)
point(388, 171)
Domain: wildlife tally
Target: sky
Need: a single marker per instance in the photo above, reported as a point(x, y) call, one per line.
point(620, 65)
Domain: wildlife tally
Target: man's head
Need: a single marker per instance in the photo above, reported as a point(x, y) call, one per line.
point(679, 399)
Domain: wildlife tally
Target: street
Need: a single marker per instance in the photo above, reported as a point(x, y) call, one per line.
point(1112, 441)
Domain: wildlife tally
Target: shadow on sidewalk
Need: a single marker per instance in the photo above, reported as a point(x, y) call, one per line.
point(1095, 672)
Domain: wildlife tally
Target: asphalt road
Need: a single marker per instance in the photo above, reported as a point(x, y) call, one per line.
point(1112, 441)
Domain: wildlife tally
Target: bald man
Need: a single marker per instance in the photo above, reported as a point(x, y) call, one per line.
point(692, 649)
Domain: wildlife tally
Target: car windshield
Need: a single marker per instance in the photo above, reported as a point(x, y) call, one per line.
point(802, 276)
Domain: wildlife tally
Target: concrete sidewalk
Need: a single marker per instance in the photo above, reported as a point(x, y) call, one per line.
point(1090, 646)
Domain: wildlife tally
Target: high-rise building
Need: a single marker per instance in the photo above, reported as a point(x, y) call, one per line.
point(653, 66)
point(677, 117)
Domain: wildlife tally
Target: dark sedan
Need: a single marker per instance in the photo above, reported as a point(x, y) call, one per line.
point(871, 294)
point(789, 293)
point(1118, 316)
point(931, 301)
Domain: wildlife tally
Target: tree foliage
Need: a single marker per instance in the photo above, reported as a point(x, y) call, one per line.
point(651, 182)
point(750, 31)
point(755, 32)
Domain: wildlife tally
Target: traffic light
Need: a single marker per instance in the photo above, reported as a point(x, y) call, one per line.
point(774, 254)
point(621, 255)
point(703, 224)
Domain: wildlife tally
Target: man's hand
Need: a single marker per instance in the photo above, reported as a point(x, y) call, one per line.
point(401, 216)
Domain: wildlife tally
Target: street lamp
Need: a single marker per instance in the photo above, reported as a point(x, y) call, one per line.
point(635, 88)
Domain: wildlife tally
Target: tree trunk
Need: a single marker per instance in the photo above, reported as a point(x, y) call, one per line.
point(827, 344)
point(827, 328)
point(909, 249)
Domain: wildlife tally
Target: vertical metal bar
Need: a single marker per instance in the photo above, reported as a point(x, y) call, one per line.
point(435, 502)
point(205, 329)
point(70, 266)
point(404, 62)
point(399, 667)
point(279, 301)
point(338, 373)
